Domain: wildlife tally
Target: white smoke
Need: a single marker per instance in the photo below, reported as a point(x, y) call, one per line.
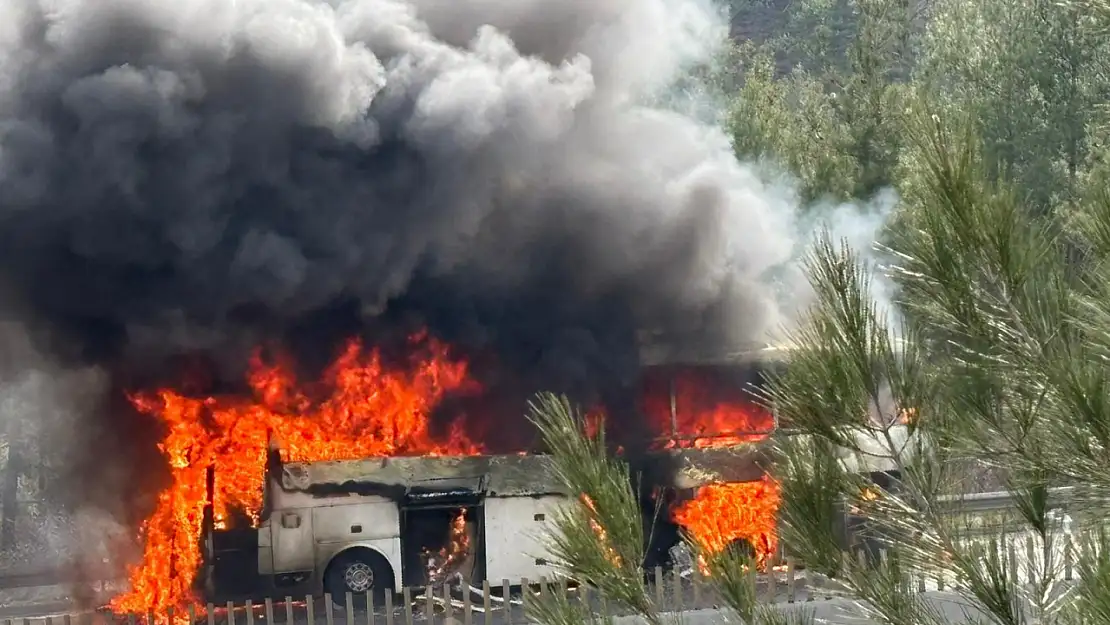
point(44, 410)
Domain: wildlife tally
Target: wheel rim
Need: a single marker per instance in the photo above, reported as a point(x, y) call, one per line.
point(359, 577)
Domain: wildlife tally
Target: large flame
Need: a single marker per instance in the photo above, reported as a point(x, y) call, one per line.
point(697, 413)
point(701, 414)
point(363, 408)
point(723, 513)
point(360, 409)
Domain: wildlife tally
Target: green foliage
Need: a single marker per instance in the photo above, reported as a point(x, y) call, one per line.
point(794, 122)
point(600, 539)
point(990, 120)
point(1034, 74)
point(733, 577)
point(826, 97)
point(826, 105)
point(999, 349)
point(813, 486)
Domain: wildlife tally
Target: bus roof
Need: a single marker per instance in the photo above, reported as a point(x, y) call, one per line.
point(508, 475)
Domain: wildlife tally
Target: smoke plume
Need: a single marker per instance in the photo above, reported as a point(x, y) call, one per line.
point(201, 176)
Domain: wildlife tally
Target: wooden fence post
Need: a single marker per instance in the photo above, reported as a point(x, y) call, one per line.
point(791, 581)
point(1030, 562)
point(406, 597)
point(468, 610)
point(659, 587)
point(772, 587)
point(678, 598)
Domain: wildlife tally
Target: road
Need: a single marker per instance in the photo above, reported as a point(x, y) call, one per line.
point(834, 611)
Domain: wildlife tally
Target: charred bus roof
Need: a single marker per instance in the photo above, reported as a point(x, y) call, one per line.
point(504, 476)
point(514, 475)
point(531, 475)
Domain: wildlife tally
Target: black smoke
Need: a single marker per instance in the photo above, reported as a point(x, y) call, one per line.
point(183, 181)
point(200, 176)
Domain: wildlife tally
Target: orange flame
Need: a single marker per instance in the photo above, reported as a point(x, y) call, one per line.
point(599, 530)
point(704, 414)
point(454, 552)
point(594, 422)
point(700, 414)
point(361, 409)
point(722, 513)
point(907, 416)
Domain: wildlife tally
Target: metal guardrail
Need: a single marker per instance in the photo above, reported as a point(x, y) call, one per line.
point(46, 578)
point(1000, 501)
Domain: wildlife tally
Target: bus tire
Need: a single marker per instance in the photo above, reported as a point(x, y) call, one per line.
point(358, 571)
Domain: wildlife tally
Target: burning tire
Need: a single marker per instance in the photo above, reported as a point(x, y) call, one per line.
point(358, 571)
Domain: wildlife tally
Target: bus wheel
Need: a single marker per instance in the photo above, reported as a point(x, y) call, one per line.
point(358, 571)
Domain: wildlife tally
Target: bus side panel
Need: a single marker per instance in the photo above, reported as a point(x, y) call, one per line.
point(516, 530)
point(354, 522)
point(292, 540)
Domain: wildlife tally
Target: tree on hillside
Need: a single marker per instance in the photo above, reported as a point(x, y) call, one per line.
point(824, 94)
point(1035, 74)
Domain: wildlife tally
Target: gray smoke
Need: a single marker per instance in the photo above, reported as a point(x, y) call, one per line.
point(201, 174)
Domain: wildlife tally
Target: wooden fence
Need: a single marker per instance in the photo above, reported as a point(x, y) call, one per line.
point(506, 603)
point(499, 604)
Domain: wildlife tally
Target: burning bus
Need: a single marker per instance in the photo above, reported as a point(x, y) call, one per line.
point(372, 525)
point(362, 491)
point(375, 523)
